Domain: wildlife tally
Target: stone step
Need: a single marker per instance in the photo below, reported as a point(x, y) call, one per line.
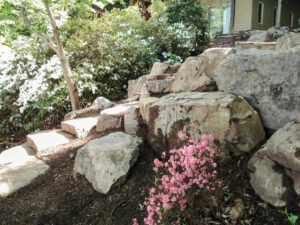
point(18, 167)
point(48, 140)
point(113, 118)
point(241, 45)
point(79, 127)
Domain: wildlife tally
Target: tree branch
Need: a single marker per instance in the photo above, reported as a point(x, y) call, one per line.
point(39, 34)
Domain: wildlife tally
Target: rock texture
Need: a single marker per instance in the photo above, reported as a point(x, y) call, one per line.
point(132, 121)
point(18, 167)
point(79, 127)
point(195, 73)
point(113, 118)
point(105, 162)
point(269, 80)
point(230, 119)
point(284, 147)
point(241, 46)
point(98, 105)
point(277, 161)
point(48, 140)
point(288, 42)
point(145, 105)
point(159, 68)
point(266, 181)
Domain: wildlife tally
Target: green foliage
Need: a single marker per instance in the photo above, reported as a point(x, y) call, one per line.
point(104, 54)
point(291, 217)
point(192, 15)
point(121, 46)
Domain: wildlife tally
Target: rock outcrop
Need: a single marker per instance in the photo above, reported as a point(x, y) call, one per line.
point(268, 80)
point(229, 119)
point(276, 162)
point(196, 72)
point(105, 162)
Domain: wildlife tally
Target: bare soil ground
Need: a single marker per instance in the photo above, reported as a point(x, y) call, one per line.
point(57, 197)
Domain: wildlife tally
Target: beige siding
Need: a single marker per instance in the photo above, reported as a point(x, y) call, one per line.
point(243, 18)
point(269, 6)
point(268, 14)
point(206, 4)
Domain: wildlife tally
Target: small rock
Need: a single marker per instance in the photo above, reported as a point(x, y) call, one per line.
point(238, 210)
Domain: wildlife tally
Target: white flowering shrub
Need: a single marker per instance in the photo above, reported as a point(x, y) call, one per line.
point(104, 54)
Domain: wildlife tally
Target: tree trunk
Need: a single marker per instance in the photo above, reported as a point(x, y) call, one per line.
point(73, 92)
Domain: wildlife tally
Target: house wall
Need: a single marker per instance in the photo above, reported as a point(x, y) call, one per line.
point(269, 5)
point(243, 15)
point(291, 6)
point(211, 3)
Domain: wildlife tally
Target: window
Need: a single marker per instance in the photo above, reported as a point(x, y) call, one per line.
point(291, 19)
point(260, 12)
point(274, 16)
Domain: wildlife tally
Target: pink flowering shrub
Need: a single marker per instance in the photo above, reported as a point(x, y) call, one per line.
point(186, 172)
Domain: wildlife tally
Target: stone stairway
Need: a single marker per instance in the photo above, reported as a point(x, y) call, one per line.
point(21, 164)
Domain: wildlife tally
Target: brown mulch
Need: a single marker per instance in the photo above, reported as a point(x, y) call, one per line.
point(58, 197)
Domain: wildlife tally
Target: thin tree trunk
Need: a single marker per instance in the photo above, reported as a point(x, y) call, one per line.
point(64, 61)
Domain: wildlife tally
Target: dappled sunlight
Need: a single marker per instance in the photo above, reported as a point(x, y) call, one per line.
point(119, 109)
point(18, 174)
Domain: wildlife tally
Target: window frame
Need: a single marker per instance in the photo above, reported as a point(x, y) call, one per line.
point(262, 12)
point(274, 16)
point(291, 19)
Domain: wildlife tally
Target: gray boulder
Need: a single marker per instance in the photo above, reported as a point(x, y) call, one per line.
point(266, 181)
point(105, 162)
point(230, 119)
point(269, 80)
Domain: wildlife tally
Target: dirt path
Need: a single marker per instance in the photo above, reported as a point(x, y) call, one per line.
point(58, 198)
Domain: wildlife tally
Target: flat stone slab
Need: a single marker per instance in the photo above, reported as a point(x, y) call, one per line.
point(16, 154)
point(106, 161)
point(79, 127)
point(18, 167)
point(241, 45)
point(119, 109)
point(48, 140)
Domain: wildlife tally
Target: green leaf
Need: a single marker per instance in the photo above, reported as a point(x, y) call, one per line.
point(292, 218)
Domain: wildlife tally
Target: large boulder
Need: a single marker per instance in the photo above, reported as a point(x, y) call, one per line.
point(105, 162)
point(230, 119)
point(195, 73)
point(269, 80)
point(276, 164)
point(284, 147)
